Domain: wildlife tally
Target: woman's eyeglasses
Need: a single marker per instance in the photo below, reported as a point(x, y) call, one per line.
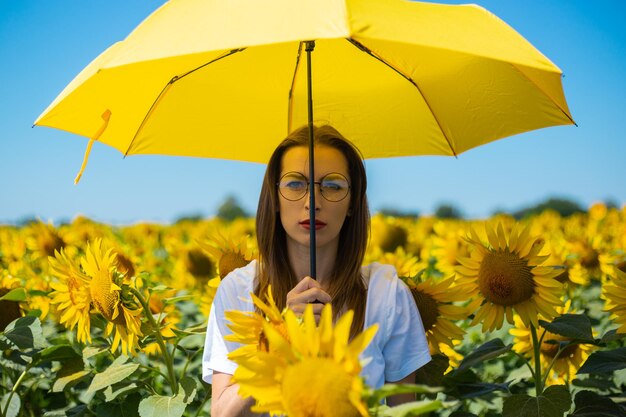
point(333, 187)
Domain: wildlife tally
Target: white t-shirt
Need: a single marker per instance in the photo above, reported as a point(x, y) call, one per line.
point(399, 347)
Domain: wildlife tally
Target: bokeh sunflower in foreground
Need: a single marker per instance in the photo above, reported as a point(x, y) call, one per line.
point(614, 293)
point(97, 283)
point(560, 366)
point(247, 327)
point(320, 358)
point(506, 275)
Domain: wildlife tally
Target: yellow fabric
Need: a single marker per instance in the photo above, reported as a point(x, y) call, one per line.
point(473, 79)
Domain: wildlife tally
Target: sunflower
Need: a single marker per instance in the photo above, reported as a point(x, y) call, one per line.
point(506, 275)
point(71, 295)
point(434, 302)
point(230, 254)
point(568, 361)
point(44, 240)
point(447, 246)
point(9, 310)
point(405, 263)
point(318, 358)
point(247, 327)
point(112, 297)
point(614, 293)
point(207, 296)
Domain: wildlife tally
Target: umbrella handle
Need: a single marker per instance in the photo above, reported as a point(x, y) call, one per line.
point(310, 46)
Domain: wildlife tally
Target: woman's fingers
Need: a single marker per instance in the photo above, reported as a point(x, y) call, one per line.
point(308, 292)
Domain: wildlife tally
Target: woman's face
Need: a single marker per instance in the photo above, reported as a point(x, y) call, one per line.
point(329, 216)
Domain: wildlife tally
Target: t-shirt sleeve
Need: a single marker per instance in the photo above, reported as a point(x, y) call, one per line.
point(216, 349)
point(406, 349)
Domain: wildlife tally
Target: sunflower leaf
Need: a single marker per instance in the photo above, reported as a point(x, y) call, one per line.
point(56, 353)
point(25, 333)
point(393, 389)
point(573, 326)
point(162, 406)
point(611, 336)
point(590, 404)
point(491, 349)
point(16, 294)
point(554, 402)
point(65, 381)
point(127, 408)
point(413, 408)
point(116, 372)
point(13, 408)
point(604, 362)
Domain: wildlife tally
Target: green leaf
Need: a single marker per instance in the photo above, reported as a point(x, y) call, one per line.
point(573, 326)
point(65, 381)
point(611, 336)
point(387, 390)
point(590, 404)
point(16, 294)
point(25, 333)
point(127, 408)
point(57, 353)
point(78, 411)
point(110, 395)
point(116, 372)
point(161, 406)
point(491, 349)
point(91, 351)
point(189, 388)
point(465, 391)
point(604, 361)
point(413, 408)
point(554, 402)
point(14, 406)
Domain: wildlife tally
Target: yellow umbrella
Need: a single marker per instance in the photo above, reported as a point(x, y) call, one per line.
point(228, 79)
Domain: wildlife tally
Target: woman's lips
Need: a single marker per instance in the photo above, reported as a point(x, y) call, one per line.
point(307, 224)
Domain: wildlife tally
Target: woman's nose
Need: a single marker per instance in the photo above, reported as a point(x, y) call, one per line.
point(318, 198)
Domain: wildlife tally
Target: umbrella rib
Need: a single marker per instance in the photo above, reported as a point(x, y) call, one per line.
point(167, 87)
point(293, 83)
point(365, 49)
point(545, 94)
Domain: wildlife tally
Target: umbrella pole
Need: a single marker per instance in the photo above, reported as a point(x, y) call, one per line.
point(310, 45)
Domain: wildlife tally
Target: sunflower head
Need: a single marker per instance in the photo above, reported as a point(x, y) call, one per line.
point(320, 358)
point(44, 240)
point(230, 254)
point(505, 274)
point(112, 296)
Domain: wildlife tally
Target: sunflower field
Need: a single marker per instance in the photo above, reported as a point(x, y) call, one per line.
point(523, 318)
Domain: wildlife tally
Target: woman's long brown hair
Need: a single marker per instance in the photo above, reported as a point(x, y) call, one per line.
point(347, 288)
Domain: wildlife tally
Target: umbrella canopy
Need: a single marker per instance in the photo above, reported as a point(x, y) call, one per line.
point(227, 79)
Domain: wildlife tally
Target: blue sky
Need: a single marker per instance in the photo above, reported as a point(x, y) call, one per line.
point(44, 44)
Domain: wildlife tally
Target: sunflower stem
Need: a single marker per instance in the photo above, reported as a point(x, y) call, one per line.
point(14, 390)
point(537, 353)
point(166, 354)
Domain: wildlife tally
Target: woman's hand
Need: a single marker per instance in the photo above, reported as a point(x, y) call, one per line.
point(308, 291)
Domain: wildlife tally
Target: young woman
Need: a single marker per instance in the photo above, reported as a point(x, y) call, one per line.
point(374, 292)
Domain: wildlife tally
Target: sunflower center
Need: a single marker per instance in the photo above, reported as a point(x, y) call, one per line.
point(230, 261)
point(427, 306)
point(199, 265)
point(551, 349)
point(505, 279)
point(326, 389)
point(50, 243)
point(105, 299)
